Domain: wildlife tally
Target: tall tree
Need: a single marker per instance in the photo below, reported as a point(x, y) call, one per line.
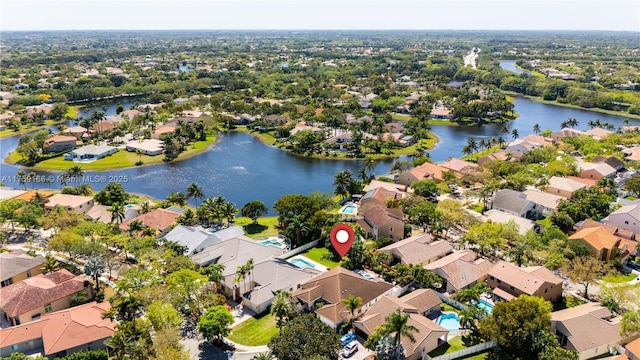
point(282, 307)
point(194, 191)
point(117, 213)
point(342, 182)
point(397, 325)
point(305, 337)
point(214, 324)
point(586, 270)
point(253, 210)
point(352, 303)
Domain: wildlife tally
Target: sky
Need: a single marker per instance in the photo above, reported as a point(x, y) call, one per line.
point(27, 15)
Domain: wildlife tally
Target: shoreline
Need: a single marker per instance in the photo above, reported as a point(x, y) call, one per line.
point(244, 129)
point(180, 157)
point(539, 99)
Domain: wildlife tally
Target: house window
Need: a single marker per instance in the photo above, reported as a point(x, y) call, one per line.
point(492, 278)
point(7, 282)
point(499, 281)
point(35, 317)
point(511, 287)
point(546, 290)
point(48, 308)
point(28, 273)
point(558, 191)
point(390, 229)
point(14, 347)
point(626, 222)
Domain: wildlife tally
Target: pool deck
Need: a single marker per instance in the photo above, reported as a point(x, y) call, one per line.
point(316, 266)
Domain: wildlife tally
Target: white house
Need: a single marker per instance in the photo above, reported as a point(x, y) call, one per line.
point(627, 217)
point(90, 153)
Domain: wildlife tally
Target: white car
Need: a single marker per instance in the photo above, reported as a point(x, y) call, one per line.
point(350, 349)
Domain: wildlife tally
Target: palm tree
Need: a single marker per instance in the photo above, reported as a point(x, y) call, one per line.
point(118, 344)
point(472, 144)
point(195, 191)
point(515, 134)
point(229, 211)
point(145, 207)
point(298, 226)
point(117, 213)
point(84, 189)
point(241, 275)
point(352, 303)
point(75, 172)
point(249, 267)
point(135, 226)
point(263, 356)
point(50, 264)
point(398, 325)
point(536, 129)
point(342, 181)
point(281, 307)
point(94, 267)
point(22, 177)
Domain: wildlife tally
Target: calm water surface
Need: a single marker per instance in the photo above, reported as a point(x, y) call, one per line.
point(243, 169)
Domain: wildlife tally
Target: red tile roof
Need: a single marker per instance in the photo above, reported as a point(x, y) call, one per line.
point(37, 291)
point(158, 219)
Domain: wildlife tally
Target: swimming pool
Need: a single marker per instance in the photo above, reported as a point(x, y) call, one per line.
point(486, 306)
point(302, 263)
point(271, 242)
point(348, 209)
point(449, 321)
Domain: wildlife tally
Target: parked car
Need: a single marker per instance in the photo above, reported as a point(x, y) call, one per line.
point(350, 349)
point(347, 338)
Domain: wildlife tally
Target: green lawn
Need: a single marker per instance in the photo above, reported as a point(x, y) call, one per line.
point(479, 154)
point(619, 279)
point(121, 159)
point(255, 331)
point(453, 345)
point(266, 227)
point(321, 256)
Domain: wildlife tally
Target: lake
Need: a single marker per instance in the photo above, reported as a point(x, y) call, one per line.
point(242, 169)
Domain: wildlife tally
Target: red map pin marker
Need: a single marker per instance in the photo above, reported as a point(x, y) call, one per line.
point(342, 237)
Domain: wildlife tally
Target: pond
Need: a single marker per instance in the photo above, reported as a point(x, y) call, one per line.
point(242, 169)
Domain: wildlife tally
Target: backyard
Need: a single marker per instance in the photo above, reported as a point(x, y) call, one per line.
point(322, 256)
point(255, 331)
point(266, 227)
point(456, 344)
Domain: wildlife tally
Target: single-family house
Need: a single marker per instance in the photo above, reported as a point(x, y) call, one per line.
point(441, 114)
point(509, 281)
point(626, 217)
point(563, 186)
point(374, 184)
point(502, 217)
point(566, 132)
point(233, 253)
point(198, 238)
point(418, 249)
point(102, 126)
point(58, 143)
point(270, 276)
point(324, 293)
point(596, 171)
point(151, 147)
point(9, 193)
point(75, 203)
point(17, 265)
point(631, 351)
point(426, 171)
point(75, 131)
point(612, 161)
point(598, 133)
point(159, 219)
point(103, 213)
point(34, 194)
point(604, 245)
point(501, 154)
point(163, 130)
point(60, 333)
point(90, 153)
point(459, 167)
point(589, 329)
point(515, 203)
point(28, 299)
point(519, 147)
point(632, 153)
point(427, 334)
point(380, 221)
point(460, 270)
point(545, 202)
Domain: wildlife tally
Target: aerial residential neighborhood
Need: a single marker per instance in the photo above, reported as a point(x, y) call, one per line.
point(319, 192)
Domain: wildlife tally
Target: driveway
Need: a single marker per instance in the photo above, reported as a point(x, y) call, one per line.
point(362, 352)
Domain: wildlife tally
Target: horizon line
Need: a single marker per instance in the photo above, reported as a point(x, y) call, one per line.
point(302, 29)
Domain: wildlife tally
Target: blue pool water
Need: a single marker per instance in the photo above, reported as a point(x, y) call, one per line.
point(301, 263)
point(129, 206)
point(486, 306)
point(449, 321)
point(348, 209)
point(271, 242)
